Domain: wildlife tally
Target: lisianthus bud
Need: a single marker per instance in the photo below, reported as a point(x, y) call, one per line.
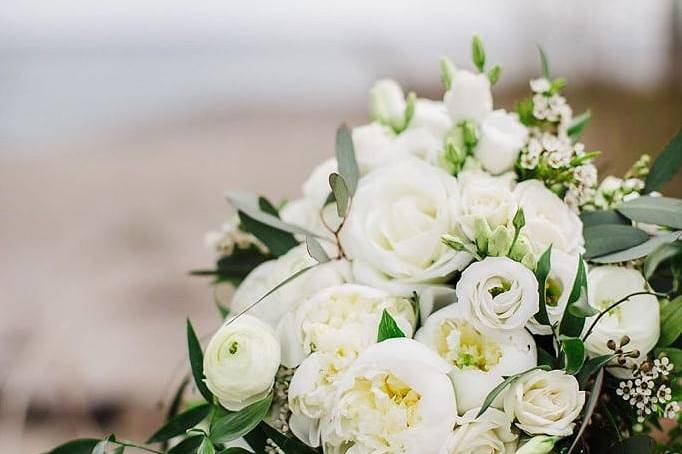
point(387, 103)
point(500, 241)
point(541, 444)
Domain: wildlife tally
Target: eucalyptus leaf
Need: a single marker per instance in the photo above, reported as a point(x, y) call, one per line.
point(671, 322)
point(664, 252)
point(179, 424)
point(316, 250)
point(665, 211)
point(639, 251)
point(79, 446)
point(345, 158)
point(341, 194)
point(590, 405)
point(575, 129)
point(572, 325)
point(666, 165)
point(478, 53)
point(236, 424)
point(541, 273)
point(591, 367)
point(574, 353)
point(607, 238)
point(206, 447)
point(388, 328)
point(544, 63)
point(599, 217)
point(196, 361)
point(187, 446)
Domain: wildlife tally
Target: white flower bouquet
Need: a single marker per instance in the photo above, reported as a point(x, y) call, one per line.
point(454, 280)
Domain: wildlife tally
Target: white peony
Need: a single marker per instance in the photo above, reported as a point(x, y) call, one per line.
point(563, 269)
point(479, 361)
point(241, 361)
point(490, 433)
point(545, 402)
point(638, 318)
point(548, 219)
point(396, 397)
point(501, 138)
point(393, 232)
point(498, 294)
point(469, 97)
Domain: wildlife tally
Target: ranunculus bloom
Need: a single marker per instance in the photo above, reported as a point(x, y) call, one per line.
point(501, 138)
point(490, 433)
point(241, 361)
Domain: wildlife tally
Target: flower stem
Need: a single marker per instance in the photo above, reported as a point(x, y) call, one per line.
point(613, 306)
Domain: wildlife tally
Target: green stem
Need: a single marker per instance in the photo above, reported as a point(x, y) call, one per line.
point(613, 306)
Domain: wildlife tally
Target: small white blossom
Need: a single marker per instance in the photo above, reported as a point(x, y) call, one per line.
point(671, 410)
point(663, 366)
point(540, 85)
point(625, 389)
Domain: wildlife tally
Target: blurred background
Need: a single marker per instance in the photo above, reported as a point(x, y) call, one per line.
point(122, 123)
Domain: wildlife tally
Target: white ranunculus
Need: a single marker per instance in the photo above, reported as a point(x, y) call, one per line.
point(548, 219)
point(387, 102)
point(344, 320)
point(484, 197)
point(268, 275)
point(490, 433)
point(432, 116)
point(501, 138)
point(498, 294)
point(563, 269)
point(393, 232)
point(469, 97)
point(638, 318)
point(396, 397)
point(545, 402)
point(241, 361)
point(479, 361)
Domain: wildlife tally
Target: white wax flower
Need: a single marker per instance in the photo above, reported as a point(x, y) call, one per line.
point(638, 318)
point(548, 219)
point(501, 138)
point(393, 232)
point(387, 102)
point(469, 97)
point(479, 361)
point(490, 433)
point(545, 402)
point(498, 294)
point(396, 397)
point(241, 361)
point(563, 269)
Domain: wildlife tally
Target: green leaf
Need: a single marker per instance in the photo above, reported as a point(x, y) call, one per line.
point(666, 165)
point(388, 328)
point(345, 158)
point(639, 251)
point(541, 273)
point(591, 218)
point(478, 53)
point(494, 74)
point(546, 359)
point(671, 322)
point(544, 63)
point(236, 266)
point(591, 367)
point(662, 253)
point(196, 361)
point(571, 324)
point(581, 308)
point(177, 399)
point(575, 129)
point(187, 446)
point(607, 238)
point(101, 446)
point(492, 395)
point(278, 241)
point(258, 437)
point(236, 424)
point(206, 447)
point(664, 211)
point(235, 450)
point(316, 250)
point(180, 423)
point(675, 355)
point(574, 352)
point(79, 446)
point(447, 70)
point(341, 194)
point(589, 408)
point(638, 444)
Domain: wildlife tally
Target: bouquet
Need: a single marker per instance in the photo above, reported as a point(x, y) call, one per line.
point(455, 280)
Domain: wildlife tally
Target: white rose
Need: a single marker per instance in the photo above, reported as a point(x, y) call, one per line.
point(638, 318)
point(545, 402)
point(563, 269)
point(490, 433)
point(241, 361)
point(396, 397)
point(548, 219)
point(387, 102)
point(480, 361)
point(393, 232)
point(498, 294)
point(344, 320)
point(484, 197)
point(501, 138)
point(373, 144)
point(469, 97)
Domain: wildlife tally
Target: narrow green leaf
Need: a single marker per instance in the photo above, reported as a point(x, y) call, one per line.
point(206, 447)
point(671, 322)
point(572, 325)
point(581, 308)
point(196, 361)
point(664, 211)
point(544, 63)
point(316, 250)
point(345, 158)
point(180, 423)
point(478, 53)
point(662, 253)
point(575, 129)
point(666, 165)
point(177, 399)
point(541, 273)
point(637, 444)
point(341, 194)
point(639, 251)
point(79, 446)
point(591, 367)
point(187, 446)
point(388, 328)
point(574, 352)
point(608, 238)
point(546, 359)
point(236, 424)
point(497, 390)
point(591, 218)
point(258, 437)
point(589, 408)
